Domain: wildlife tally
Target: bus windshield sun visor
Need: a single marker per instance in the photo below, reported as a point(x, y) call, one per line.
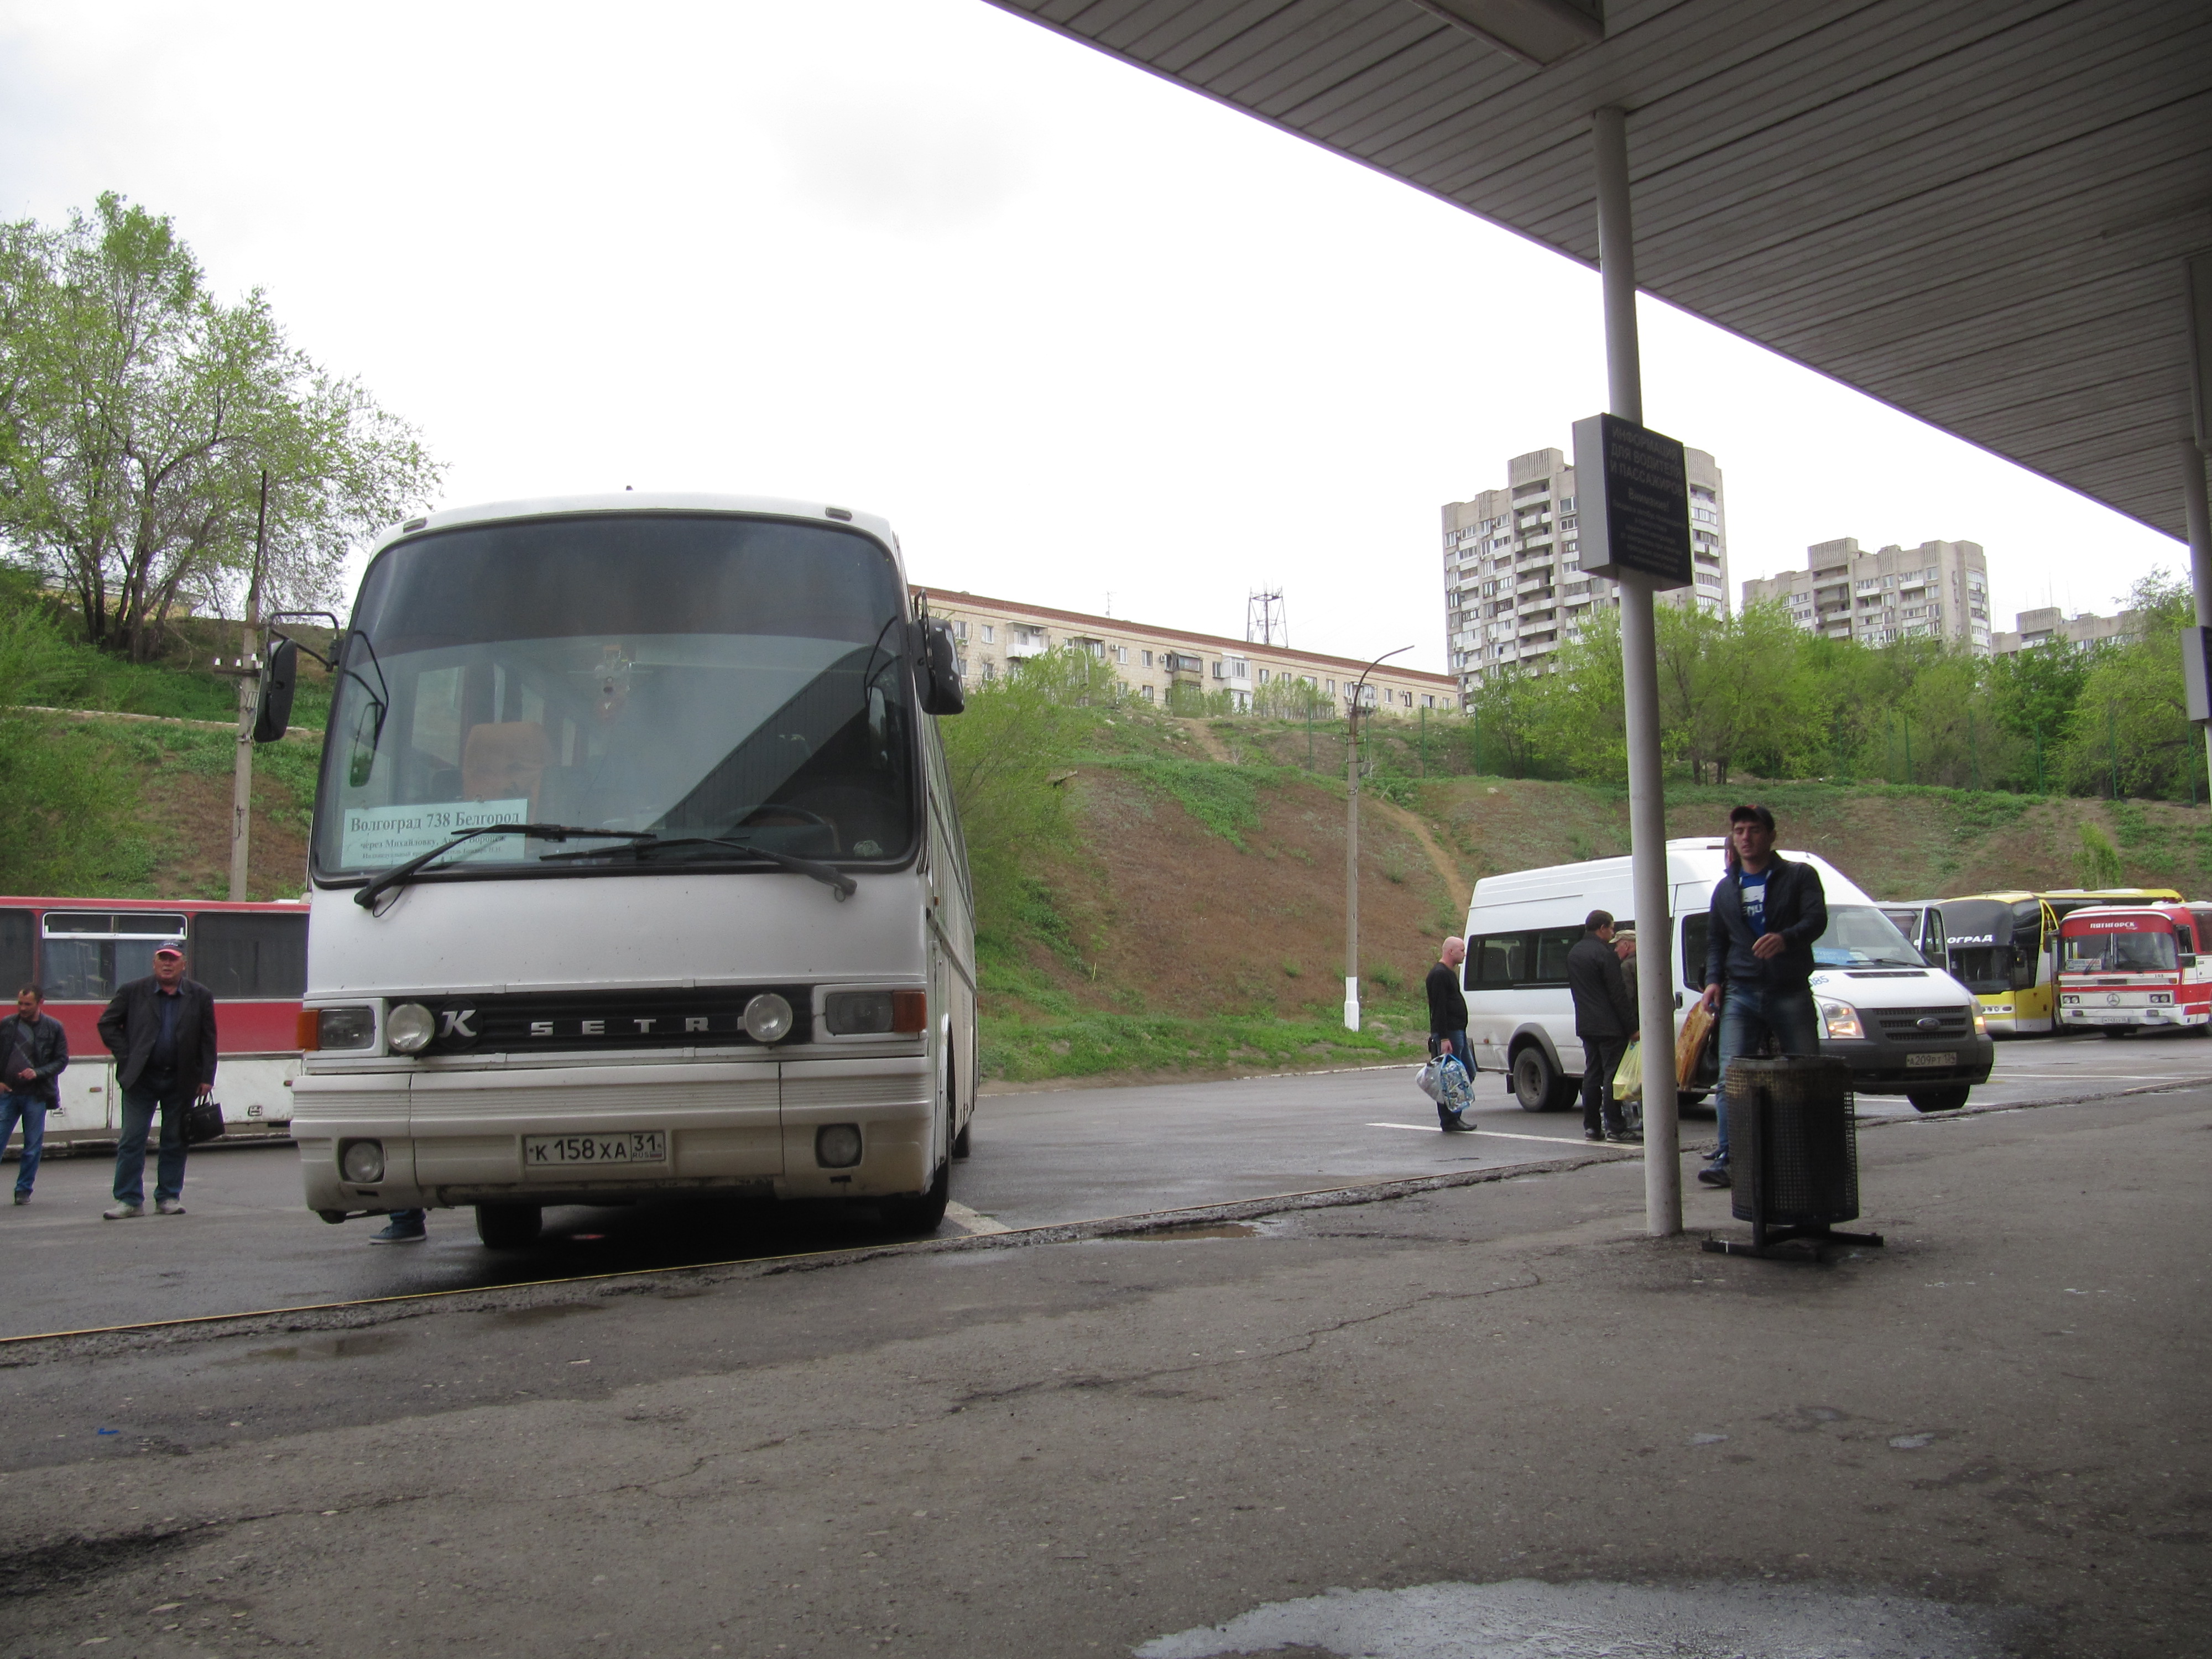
point(678, 679)
point(638, 847)
point(400, 874)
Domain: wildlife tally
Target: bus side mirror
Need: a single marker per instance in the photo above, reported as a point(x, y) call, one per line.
point(272, 710)
point(941, 692)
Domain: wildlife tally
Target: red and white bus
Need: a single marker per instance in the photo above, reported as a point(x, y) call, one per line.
point(78, 950)
point(2135, 968)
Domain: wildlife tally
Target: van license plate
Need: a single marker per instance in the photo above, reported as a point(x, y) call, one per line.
point(1949, 1057)
point(576, 1151)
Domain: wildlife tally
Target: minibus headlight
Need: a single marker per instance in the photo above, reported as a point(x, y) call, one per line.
point(410, 1027)
point(853, 1014)
point(1982, 1020)
point(343, 1027)
point(768, 1017)
point(362, 1162)
point(1841, 1020)
point(837, 1146)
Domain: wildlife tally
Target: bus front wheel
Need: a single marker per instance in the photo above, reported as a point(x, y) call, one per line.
point(509, 1227)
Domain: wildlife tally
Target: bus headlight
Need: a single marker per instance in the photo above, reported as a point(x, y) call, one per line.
point(837, 1146)
point(343, 1027)
point(362, 1162)
point(410, 1027)
point(1841, 1020)
point(768, 1017)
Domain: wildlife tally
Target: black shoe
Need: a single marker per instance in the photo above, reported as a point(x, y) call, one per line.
point(1593, 1134)
point(1632, 1136)
point(1714, 1175)
point(1457, 1126)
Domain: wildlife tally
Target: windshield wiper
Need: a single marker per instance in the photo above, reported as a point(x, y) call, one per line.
point(400, 874)
point(828, 874)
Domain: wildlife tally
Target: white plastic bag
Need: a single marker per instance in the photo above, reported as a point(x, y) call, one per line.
point(1429, 1081)
point(1458, 1088)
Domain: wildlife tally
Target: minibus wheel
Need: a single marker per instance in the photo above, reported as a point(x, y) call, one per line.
point(509, 1227)
point(1537, 1083)
point(1947, 1099)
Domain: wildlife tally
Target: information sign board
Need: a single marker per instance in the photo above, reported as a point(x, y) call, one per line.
point(1632, 496)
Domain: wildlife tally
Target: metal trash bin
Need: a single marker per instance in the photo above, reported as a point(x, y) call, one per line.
point(1793, 1155)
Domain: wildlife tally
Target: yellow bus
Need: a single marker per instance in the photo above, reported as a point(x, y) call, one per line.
point(2003, 947)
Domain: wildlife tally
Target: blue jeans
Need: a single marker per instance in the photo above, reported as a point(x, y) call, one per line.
point(31, 1109)
point(172, 1099)
point(1749, 1015)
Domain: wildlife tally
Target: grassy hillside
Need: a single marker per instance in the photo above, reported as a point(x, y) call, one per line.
point(1169, 898)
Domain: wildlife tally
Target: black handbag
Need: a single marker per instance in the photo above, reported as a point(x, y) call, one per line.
point(203, 1122)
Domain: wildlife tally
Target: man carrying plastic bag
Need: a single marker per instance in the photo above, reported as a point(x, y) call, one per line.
point(1445, 1079)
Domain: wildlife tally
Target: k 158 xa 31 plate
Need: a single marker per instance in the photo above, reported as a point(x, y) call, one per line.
point(596, 1151)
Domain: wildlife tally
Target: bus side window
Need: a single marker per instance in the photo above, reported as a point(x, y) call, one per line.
point(1694, 937)
point(259, 957)
point(1502, 960)
point(1551, 950)
point(16, 930)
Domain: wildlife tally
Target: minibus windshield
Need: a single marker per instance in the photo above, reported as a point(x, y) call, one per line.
point(707, 676)
point(2117, 953)
point(1860, 936)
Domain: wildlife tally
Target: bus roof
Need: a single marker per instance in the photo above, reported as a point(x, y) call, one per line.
point(639, 501)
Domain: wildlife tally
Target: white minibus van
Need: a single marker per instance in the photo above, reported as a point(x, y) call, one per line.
point(635, 869)
point(1905, 1026)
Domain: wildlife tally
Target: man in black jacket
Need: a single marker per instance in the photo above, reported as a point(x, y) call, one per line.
point(162, 1032)
point(1448, 1023)
point(1605, 1020)
point(1767, 912)
point(34, 1052)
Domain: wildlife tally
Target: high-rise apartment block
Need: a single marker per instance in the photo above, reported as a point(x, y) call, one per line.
point(1941, 588)
point(1513, 583)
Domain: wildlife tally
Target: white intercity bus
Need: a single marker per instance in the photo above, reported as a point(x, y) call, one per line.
point(636, 869)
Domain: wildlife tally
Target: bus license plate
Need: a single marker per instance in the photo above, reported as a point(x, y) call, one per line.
point(577, 1151)
point(1949, 1057)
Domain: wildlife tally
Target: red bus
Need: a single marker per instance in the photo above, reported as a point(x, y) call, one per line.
point(2135, 968)
point(78, 950)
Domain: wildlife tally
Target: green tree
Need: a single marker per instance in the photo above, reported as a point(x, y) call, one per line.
point(137, 413)
point(2131, 719)
point(1733, 687)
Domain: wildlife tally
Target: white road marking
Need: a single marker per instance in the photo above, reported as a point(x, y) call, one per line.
point(971, 1222)
point(1501, 1134)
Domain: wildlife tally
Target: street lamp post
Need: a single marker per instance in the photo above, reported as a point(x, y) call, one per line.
point(1352, 844)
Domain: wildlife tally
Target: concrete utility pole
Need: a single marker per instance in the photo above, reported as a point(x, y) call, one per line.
point(1352, 845)
point(2198, 287)
point(249, 686)
point(1639, 663)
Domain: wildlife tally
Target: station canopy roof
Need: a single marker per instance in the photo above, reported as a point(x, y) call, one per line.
point(1975, 211)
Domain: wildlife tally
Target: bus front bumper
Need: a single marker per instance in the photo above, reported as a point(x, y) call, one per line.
point(445, 1138)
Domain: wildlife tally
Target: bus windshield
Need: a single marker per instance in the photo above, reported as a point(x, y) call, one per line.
point(1860, 936)
point(705, 676)
point(2117, 953)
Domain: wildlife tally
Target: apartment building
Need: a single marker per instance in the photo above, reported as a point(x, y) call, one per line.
point(2047, 624)
point(995, 635)
point(1513, 588)
point(1844, 592)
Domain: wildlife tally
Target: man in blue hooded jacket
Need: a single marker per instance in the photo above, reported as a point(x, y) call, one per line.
point(1767, 912)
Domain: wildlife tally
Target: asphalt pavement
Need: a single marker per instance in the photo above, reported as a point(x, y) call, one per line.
point(1043, 1159)
point(1486, 1418)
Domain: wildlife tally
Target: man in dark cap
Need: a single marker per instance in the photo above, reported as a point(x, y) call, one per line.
point(162, 1032)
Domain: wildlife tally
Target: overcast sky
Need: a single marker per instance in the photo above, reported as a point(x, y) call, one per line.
point(1075, 332)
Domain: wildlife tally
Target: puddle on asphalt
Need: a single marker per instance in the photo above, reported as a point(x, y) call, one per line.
point(356, 1346)
point(542, 1315)
point(1523, 1619)
point(1176, 1235)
